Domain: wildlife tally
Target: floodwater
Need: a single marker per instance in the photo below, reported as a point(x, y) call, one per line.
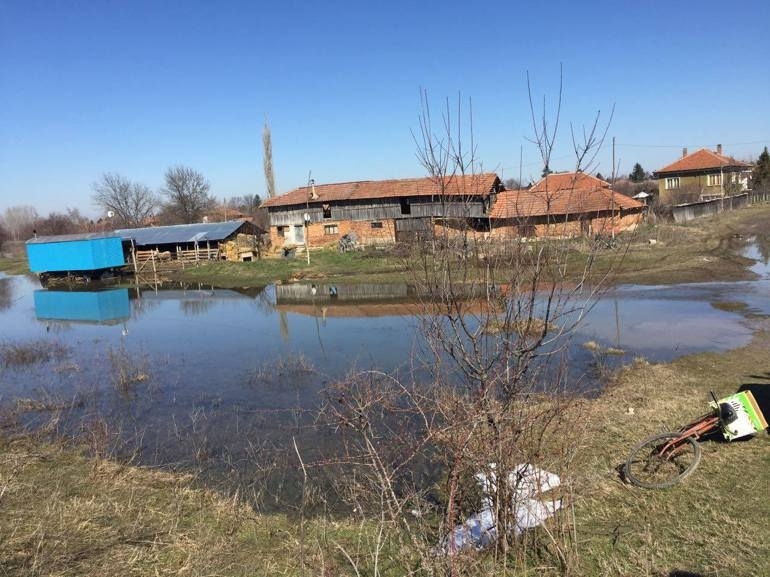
point(229, 380)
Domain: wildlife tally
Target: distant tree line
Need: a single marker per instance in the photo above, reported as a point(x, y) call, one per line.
point(184, 198)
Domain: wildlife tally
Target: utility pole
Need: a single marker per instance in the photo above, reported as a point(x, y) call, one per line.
point(612, 191)
point(306, 216)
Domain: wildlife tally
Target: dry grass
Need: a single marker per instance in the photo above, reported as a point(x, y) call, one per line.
point(127, 369)
point(715, 522)
point(32, 352)
point(64, 514)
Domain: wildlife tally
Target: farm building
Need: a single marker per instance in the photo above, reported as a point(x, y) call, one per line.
point(702, 175)
point(86, 256)
point(378, 212)
point(388, 211)
point(564, 205)
point(235, 240)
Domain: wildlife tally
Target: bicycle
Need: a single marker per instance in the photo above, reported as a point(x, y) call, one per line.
point(665, 459)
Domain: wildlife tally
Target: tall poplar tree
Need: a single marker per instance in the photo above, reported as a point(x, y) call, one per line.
point(760, 176)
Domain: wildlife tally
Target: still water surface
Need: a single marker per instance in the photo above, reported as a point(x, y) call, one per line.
point(230, 374)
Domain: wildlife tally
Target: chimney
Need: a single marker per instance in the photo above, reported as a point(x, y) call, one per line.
point(719, 149)
point(684, 152)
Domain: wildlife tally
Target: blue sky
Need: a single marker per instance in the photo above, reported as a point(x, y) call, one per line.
point(134, 87)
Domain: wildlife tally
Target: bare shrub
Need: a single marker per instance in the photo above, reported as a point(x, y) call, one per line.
point(281, 368)
point(496, 325)
point(32, 352)
point(127, 370)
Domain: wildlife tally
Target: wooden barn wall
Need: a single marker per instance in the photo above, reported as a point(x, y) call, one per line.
point(377, 210)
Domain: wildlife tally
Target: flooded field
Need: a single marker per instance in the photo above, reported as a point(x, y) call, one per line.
point(226, 381)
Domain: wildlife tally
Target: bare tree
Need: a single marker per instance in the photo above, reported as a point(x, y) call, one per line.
point(267, 160)
point(496, 321)
point(3, 234)
point(130, 203)
point(247, 204)
point(69, 222)
point(19, 221)
point(187, 191)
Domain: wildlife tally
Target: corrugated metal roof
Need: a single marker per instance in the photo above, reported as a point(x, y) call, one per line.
point(71, 237)
point(181, 233)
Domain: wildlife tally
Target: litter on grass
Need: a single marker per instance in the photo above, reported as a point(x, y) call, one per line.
point(528, 508)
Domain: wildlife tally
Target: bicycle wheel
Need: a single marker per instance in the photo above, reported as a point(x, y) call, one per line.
point(647, 468)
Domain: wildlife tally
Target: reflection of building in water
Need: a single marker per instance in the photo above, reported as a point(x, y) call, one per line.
point(357, 300)
point(354, 300)
point(297, 292)
point(105, 307)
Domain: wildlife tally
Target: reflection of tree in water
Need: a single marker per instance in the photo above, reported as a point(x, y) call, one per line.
point(6, 293)
point(283, 321)
point(143, 306)
point(762, 241)
point(195, 306)
point(264, 302)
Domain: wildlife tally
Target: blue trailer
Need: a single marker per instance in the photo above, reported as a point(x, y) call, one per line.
point(87, 256)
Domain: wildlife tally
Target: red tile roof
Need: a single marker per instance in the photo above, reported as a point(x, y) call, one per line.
point(568, 181)
point(703, 159)
point(562, 194)
point(476, 184)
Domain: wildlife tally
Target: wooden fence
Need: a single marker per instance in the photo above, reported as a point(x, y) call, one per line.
point(172, 260)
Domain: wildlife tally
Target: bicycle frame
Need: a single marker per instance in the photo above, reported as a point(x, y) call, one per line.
point(704, 425)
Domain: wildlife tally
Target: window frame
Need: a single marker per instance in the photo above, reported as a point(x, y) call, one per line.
point(673, 183)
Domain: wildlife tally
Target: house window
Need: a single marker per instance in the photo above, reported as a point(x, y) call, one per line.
point(672, 183)
point(279, 231)
point(377, 224)
point(714, 180)
point(327, 209)
point(406, 208)
point(330, 229)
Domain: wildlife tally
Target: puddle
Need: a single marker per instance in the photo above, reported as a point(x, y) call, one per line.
point(760, 253)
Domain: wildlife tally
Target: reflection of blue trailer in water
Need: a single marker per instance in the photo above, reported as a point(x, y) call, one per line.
point(106, 307)
point(89, 256)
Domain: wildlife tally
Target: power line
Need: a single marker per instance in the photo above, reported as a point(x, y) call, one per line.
point(692, 145)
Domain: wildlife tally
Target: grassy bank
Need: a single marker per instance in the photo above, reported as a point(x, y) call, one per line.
point(13, 258)
point(715, 522)
point(65, 514)
point(370, 266)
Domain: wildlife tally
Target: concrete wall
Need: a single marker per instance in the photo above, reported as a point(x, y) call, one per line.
point(685, 212)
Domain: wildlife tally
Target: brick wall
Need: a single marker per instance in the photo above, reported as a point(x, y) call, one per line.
point(319, 233)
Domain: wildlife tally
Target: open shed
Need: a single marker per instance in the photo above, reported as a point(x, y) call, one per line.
point(231, 240)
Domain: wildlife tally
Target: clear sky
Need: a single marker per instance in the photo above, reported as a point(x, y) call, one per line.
point(136, 86)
